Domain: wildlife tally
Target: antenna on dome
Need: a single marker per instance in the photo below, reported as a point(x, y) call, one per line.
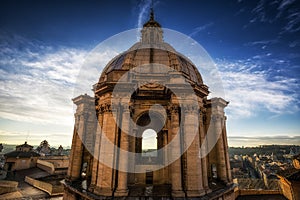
point(151, 11)
point(27, 135)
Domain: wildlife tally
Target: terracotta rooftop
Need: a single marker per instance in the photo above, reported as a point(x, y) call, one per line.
point(297, 157)
point(21, 154)
point(249, 183)
point(290, 174)
point(24, 145)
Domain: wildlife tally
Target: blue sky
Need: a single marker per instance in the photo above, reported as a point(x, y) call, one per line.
point(255, 45)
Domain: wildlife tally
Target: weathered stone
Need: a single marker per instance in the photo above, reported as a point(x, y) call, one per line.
point(183, 164)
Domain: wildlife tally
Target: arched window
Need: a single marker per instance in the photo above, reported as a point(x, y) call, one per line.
point(214, 171)
point(149, 143)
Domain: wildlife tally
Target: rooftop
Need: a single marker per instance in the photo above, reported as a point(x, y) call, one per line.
point(21, 154)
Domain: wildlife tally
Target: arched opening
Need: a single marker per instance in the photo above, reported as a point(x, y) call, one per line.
point(214, 171)
point(149, 139)
point(149, 143)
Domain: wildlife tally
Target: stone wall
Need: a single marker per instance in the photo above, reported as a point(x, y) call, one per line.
point(46, 166)
point(20, 163)
point(52, 190)
point(54, 164)
point(256, 192)
point(8, 186)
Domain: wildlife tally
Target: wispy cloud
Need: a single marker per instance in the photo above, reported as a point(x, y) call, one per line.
point(285, 3)
point(265, 140)
point(144, 8)
point(37, 83)
point(200, 29)
point(262, 42)
point(293, 24)
point(286, 11)
point(249, 89)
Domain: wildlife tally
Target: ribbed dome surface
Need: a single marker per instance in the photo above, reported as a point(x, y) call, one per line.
point(139, 57)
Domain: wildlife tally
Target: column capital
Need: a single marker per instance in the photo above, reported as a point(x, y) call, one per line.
point(104, 108)
point(216, 117)
point(191, 109)
point(173, 108)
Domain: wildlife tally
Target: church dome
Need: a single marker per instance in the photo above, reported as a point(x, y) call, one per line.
point(152, 49)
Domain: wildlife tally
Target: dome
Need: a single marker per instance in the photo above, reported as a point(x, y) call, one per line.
point(152, 49)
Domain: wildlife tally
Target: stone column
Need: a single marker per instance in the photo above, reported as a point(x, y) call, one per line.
point(77, 148)
point(203, 145)
point(122, 189)
point(85, 104)
point(229, 177)
point(175, 153)
point(105, 182)
point(165, 156)
point(97, 150)
point(165, 143)
point(194, 185)
point(70, 168)
point(221, 165)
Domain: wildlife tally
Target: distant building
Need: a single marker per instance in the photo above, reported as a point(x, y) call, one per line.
point(22, 158)
point(60, 150)
point(44, 148)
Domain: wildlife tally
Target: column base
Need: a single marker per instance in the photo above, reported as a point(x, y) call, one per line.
point(103, 191)
point(68, 194)
point(178, 193)
point(121, 193)
point(91, 188)
point(195, 193)
point(207, 190)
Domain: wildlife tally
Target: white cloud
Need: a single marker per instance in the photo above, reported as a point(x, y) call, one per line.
point(144, 7)
point(200, 29)
point(251, 91)
point(37, 87)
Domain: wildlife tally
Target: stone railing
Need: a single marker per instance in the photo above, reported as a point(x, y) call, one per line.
point(45, 165)
point(8, 186)
point(52, 190)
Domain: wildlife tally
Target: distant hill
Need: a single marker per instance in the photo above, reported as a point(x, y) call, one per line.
point(8, 148)
point(278, 150)
point(11, 147)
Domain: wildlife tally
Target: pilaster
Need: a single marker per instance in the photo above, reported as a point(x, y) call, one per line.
point(221, 160)
point(122, 189)
point(97, 150)
point(176, 153)
point(105, 179)
point(203, 145)
point(194, 185)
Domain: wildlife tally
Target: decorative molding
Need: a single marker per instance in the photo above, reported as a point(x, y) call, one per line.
point(191, 109)
point(151, 85)
point(103, 108)
point(216, 118)
point(173, 109)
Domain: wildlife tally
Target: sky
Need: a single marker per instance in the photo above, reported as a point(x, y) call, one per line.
point(254, 44)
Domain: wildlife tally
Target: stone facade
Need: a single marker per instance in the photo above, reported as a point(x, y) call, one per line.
point(22, 158)
point(113, 123)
